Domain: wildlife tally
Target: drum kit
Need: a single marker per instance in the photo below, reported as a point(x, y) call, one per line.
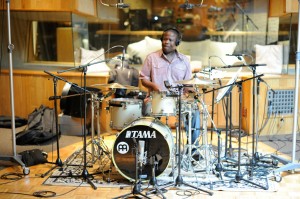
point(158, 141)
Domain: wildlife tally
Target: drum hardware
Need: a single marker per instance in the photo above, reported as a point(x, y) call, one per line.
point(136, 190)
point(156, 189)
point(179, 180)
point(206, 148)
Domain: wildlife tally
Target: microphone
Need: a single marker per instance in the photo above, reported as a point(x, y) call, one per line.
point(141, 148)
point(123, 58)
point(120, 4)
point(236, 55)
point(187, 6)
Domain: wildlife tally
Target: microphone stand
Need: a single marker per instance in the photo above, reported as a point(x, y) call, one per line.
point(239, 176)
point(58, 161)
point(14, 157)
point(243, 23)
point(136, 190)
point(85, 174)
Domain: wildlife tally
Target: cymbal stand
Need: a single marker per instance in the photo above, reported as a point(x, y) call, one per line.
point(179, 180)
point(206, 115)
point(187, 159)
point(205, 144)
point(228, 128)
point(98, 142)
point(58, 161)
point(136, 190)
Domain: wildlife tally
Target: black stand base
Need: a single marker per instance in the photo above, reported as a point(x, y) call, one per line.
point(135, 192)
point(153, 182)
point(58, 163)
point(85, 175)
point(239, 178)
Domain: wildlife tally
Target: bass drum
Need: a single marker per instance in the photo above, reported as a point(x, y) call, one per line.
point(158, 147)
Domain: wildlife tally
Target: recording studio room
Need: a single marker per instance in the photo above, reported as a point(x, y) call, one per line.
point(149, 99)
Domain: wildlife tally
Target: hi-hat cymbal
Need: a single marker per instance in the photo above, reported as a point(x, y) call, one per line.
point(114, 86)
point(197, 81)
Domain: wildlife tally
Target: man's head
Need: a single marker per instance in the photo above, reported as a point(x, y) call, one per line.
point(170, 38)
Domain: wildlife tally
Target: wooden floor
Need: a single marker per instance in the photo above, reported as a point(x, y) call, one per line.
point(289, 187)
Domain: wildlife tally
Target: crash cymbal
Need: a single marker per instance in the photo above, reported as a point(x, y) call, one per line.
point(197, 81)
point(115, 86)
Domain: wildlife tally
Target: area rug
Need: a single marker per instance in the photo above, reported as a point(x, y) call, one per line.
point(282, 144)
point(102, 173)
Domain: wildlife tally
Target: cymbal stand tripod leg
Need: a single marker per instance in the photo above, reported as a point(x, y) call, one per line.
point(187, 152)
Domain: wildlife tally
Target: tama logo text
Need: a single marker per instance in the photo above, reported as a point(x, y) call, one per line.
point(140, 134)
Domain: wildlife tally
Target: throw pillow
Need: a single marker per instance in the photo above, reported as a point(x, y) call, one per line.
point(270, 55)
point(91, 56)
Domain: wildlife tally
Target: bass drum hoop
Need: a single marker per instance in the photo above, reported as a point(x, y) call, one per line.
point(165, 150)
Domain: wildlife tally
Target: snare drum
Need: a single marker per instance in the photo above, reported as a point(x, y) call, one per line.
point(158, 147)
point(123, 111)
point(163, 104)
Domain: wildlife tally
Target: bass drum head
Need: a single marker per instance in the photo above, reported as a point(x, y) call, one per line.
point(158, 147)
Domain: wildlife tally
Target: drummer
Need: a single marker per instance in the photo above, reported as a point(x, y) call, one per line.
point(167, 64)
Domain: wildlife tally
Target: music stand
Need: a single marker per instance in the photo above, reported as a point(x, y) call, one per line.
point(226, 91)
point(58, 161)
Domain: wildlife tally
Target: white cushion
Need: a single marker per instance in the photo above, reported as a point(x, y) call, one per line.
point(271, 55)
point(219, 50)
point(197, 50)
point(152, 44)
point(202, 50)
point(137, 49)
point(91, 56)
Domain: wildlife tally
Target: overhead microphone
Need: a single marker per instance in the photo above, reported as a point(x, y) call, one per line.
point(189, 6)
point(120, 4)
point(236, 55)
point(123, 58)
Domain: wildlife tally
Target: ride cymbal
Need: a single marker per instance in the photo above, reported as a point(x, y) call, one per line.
point(197, 81)
point(115, 86)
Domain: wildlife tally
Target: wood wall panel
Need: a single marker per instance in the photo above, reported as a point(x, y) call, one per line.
point(281, 124)
point(33, 88)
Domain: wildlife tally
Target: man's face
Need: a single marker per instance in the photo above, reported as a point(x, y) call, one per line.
point(168, 41)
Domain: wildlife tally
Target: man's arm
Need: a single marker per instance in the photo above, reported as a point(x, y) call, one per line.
point(150, 85)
